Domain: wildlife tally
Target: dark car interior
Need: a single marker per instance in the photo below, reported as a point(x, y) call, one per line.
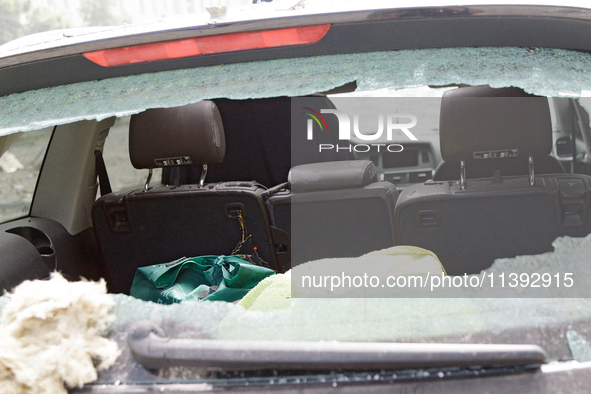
point(232, 168)
point(509, 205)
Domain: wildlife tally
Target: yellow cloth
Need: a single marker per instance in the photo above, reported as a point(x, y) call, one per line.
point(275, 291)
point(268, 312)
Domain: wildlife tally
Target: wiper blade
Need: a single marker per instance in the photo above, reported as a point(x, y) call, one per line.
point(154, 350)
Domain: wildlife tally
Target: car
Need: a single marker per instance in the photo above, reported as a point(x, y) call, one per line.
point(310, 134)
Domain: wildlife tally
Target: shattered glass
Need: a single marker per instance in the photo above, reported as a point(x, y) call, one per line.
point(549, 72)
point(559, 325)
point(185, 320)
point(579, 346)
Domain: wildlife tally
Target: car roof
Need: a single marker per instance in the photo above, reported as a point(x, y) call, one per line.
point(57, 58)
point(263, 11)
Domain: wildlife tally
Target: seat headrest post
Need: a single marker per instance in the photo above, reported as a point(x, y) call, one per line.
point(462, 174)
point(530, 163)
point(203, 175)
point(147, 185)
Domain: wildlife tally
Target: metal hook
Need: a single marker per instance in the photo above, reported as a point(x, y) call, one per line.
point(147, 185)
point(530, 163)
point(203, 174)
point(462, 174)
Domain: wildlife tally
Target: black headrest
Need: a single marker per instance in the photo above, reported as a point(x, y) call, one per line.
point(479, 122)
point(332, 175)
point(162, 137)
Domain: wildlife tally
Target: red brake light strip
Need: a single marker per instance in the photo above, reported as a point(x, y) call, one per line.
point(208, 45)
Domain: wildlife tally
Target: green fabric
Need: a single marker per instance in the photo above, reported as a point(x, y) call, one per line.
point(187, 278)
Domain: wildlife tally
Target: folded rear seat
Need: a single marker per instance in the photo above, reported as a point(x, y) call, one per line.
point(335, 209)
point(471, 222)
point(163, 223)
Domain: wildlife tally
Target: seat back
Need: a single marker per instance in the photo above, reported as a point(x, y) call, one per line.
point(335, 209)
point(163, 223)
point(469, 224)
point(468, 229)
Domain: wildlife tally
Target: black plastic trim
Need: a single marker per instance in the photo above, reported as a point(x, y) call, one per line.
point(153, 349)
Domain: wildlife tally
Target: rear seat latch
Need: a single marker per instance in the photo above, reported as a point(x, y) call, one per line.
point(117, 216)
point(234, 210)
point(428, 219)
point(572, 201)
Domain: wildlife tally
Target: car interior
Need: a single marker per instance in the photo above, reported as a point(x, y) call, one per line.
point(505, 177)
point(509, 206)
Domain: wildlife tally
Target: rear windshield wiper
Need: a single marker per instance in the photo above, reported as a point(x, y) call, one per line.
point(154, 350)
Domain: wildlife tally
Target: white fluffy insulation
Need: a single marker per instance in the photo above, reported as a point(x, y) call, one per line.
point(51, 336)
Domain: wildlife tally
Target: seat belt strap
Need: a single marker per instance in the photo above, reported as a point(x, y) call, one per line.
point(101, 171)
